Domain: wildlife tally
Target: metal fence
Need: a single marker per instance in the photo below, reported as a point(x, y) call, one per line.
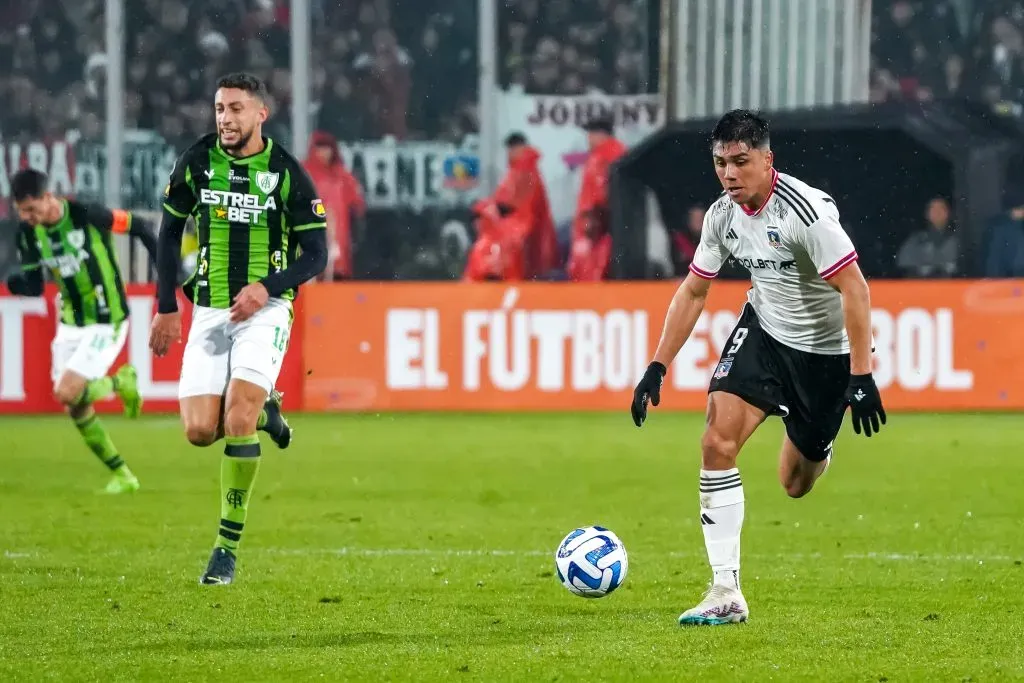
point(766, 54)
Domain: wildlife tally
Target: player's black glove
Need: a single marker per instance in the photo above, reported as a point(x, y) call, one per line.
point(865, 404)
point(649, 389)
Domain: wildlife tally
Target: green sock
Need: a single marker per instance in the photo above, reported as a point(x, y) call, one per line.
point(97, 390)
point(238, 471)
point(96, 437)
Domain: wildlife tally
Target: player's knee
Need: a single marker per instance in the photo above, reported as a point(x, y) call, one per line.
point(201, 434)
point(241, 420)
point(718, 451)
point(66, 395)
point(797, 487)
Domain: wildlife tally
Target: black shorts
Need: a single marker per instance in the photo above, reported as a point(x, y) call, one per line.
point(806, 389)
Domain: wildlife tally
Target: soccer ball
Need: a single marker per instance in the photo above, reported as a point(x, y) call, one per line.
point(591, 562)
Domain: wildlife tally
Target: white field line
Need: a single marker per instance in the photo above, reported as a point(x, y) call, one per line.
point(478, 552)
point(454, 552)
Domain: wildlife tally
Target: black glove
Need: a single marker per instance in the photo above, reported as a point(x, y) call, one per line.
point(649, 389)
point(865, 404)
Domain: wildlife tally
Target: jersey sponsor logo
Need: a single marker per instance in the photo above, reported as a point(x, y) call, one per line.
point(202, 268)
point(267, 181)
point(236, 207)
point(774, 238)
point(765, 264)
point(67, 265)
point(318, 208)
point(235, 178)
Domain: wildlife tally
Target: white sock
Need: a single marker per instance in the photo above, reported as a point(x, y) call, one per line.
point(721, 519)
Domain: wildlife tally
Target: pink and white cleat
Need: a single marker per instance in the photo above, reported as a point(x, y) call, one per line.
point(721, 605)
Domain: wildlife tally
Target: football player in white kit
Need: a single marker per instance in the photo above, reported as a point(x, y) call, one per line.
point(800, 350)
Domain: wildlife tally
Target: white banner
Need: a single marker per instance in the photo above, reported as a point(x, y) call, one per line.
point(414, 174)
point(551, 123)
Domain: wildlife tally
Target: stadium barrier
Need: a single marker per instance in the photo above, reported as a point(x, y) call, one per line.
point(27, 326)
point(369, 346)
point(949, 345)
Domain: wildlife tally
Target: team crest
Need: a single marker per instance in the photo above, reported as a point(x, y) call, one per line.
point(76, 238)
point(774, 238)
point(319, 209)
point(266, 181)
point(723, 368)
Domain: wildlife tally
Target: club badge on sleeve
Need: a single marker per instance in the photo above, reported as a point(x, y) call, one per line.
point(318, 208)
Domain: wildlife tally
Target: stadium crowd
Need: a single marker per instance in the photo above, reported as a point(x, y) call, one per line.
point(376, 71)
point(381, 70)
point(934, 49)
point(571, 47)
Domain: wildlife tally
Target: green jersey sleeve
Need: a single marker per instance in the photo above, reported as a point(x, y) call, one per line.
point(303, 206)
point(179, 195)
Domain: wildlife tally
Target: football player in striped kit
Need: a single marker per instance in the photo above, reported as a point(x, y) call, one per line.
point(801, 349)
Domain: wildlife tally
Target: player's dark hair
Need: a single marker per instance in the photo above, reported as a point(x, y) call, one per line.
point(742, 125)
point(514, 139)
point(28, 183)
point(247, 82)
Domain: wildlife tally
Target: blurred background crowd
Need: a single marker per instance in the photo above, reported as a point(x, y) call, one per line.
point(407, 70)
point(379, 68)
point(935, 49)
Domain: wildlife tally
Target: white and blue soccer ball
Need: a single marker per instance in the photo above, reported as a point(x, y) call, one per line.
point(591, 562)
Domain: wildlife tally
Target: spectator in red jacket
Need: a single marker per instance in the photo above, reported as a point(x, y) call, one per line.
point(516, 221)
point(340, 192)
point(591, 249)
point(497, 254)
point(523, 194)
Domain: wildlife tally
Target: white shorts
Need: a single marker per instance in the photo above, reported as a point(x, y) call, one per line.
point(218, 350)
point(87, 351)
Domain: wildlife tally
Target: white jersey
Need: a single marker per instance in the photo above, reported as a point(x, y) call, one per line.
point(792, 245)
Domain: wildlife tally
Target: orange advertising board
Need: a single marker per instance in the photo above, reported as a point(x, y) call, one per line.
point(951, 345)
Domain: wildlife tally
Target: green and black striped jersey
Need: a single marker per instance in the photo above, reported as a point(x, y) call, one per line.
point(79, 253)
point(245, 210)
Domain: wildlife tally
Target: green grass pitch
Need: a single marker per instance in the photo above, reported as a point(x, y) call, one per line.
point(420, 548)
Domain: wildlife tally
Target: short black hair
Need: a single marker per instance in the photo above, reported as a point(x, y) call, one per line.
point(602, 123)
point(28, 183)
point(245, 81)
point(742, 125)
point(514, 139)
